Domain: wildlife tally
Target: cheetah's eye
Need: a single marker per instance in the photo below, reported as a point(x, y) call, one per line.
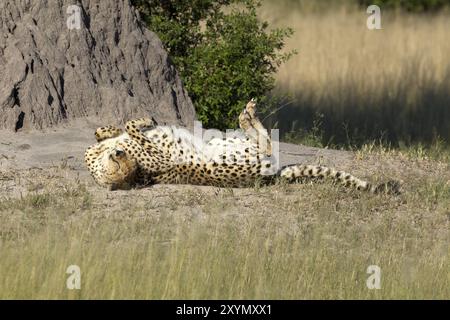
point(119, 152)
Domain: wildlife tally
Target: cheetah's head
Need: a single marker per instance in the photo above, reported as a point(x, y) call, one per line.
point(119, 168)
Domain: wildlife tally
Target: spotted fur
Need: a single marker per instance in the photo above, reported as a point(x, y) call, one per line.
point(298, 172)
point(147, 154)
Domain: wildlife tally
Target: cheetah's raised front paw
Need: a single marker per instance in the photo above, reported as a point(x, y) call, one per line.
point(141, 123)
point(107, 132)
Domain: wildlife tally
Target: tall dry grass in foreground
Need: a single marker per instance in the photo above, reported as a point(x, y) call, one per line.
point(392, 83)
point(279, 242)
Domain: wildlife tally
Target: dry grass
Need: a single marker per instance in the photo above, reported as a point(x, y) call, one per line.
point(279, 242)
point(392, 83)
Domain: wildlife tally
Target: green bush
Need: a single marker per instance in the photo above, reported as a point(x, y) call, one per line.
point(223, 52)
point(409, 5)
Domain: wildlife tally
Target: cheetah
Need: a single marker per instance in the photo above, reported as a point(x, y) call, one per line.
point(147, 153)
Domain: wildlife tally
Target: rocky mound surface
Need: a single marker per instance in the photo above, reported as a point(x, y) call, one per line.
point(60, 61)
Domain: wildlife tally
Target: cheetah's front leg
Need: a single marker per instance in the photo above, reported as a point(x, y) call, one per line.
point(107, 132)
point(134, 129)
point(154, 159)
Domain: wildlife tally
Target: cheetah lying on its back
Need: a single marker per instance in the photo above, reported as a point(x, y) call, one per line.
point(147, 154)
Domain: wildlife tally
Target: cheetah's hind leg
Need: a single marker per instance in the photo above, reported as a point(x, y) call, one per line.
point(254, 129)
point(107, 132)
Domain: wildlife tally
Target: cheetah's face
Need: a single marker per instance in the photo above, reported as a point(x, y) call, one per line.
point(119, 168)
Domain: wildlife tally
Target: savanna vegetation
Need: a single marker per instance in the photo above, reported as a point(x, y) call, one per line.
point(336, 83)
point(350, 85)
point(224, 52)
point(304, 241)
point(382, 93)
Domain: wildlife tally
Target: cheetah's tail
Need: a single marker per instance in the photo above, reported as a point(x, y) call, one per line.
point(295, 172)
